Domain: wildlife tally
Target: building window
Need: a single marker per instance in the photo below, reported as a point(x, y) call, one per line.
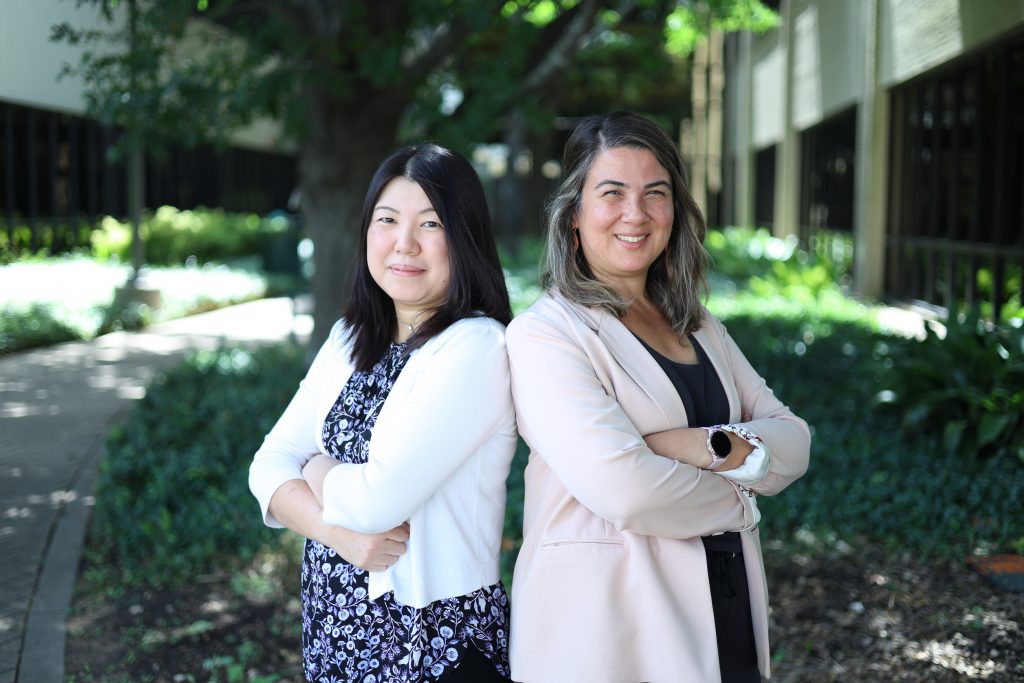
point(764, 184)
point(826, 193)
point(57, 177)
point(956, 193)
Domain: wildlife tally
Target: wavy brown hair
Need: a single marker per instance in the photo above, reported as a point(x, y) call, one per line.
point(677, 280)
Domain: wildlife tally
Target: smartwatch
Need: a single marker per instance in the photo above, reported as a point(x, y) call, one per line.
point(719, 446)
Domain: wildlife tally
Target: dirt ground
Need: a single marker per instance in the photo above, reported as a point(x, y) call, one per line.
point(841, 616)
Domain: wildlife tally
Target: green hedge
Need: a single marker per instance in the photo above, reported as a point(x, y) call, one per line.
point(172, 497)
point(172, 236)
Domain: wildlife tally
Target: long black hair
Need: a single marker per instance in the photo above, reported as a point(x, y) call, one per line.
point(477, 284)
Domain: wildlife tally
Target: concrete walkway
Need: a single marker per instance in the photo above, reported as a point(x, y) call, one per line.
point(56, 406)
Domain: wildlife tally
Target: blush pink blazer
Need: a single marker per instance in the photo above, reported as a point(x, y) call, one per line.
point(611, 582)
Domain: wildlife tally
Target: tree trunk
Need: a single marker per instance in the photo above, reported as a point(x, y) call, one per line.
point(346, 143)
point(511, 187)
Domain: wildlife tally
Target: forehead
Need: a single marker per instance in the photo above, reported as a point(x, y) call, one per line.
point(402, 193)
point(627, 165)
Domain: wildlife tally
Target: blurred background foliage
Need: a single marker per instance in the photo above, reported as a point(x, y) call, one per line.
point(348, 81)
point(201, 259)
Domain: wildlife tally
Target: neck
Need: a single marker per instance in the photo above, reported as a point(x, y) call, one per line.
point(407, 323)
point(630, 289)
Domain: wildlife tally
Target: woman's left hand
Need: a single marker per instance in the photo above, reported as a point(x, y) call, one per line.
point(689, 445)
point(315, 472)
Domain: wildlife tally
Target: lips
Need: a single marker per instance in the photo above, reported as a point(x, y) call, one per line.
point(631, 239)
point(405, 269)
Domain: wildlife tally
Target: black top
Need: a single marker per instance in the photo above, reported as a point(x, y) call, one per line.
point(698, 386)
point(706, 404)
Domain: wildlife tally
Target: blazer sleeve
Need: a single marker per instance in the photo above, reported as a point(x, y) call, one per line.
point(580, 430)
point(458, 402)
point(786, 436)
point(292, 441)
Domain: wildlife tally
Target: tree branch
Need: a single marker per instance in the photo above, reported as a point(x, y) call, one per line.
point(442, 46)
point(581, 30)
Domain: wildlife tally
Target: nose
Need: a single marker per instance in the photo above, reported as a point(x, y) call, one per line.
point(405, 240)
point(633, 211)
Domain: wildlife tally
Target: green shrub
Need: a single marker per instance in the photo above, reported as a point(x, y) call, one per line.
point(967, 386)
point(37, 325)
point(742, 253)
point(17, 243)
point(172, 498)
point(771, 266)
point(172, 236)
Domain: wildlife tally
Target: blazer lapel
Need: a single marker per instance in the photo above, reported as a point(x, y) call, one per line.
point(635, 360)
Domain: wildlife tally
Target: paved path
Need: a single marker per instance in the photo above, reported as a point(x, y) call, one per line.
point(56, 406)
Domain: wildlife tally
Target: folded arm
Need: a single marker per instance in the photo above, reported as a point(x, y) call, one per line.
point(582, 433)
point(292, 441)
point(458, 402)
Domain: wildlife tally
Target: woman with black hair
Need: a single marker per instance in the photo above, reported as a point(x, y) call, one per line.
point(392, 457)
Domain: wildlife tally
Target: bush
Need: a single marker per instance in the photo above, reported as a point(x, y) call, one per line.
point(967, 386)
point(35, 326)
point(172, 236)
point(17, 242)
point(172, 497)
point(771, 266)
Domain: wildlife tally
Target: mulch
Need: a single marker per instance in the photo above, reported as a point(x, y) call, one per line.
point(841, 615)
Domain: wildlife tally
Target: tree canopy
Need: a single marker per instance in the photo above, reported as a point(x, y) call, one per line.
point(349, 80)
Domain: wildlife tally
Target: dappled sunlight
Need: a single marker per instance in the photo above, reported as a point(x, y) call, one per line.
point(78, 293)
point(954, 655)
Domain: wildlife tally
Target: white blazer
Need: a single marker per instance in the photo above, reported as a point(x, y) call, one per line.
point(439, 456)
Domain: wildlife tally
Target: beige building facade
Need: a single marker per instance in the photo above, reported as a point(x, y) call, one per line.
point(897, 121)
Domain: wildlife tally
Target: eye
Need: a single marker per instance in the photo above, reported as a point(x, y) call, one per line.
point(433, 225)
point(611, 193)
point(657, 193)
point(385, 219)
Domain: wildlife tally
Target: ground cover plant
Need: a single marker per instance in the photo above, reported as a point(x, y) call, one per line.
point(865, 554)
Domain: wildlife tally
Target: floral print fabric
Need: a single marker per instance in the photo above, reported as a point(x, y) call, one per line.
point(347, 637)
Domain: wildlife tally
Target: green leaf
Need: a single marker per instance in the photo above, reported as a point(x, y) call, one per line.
point(954, 434)
point(991, 427)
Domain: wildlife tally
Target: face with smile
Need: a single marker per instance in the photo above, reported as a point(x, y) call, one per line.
point(625, 217)
point(407, 252)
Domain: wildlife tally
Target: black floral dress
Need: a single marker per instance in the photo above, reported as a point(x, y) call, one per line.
point(348, 637)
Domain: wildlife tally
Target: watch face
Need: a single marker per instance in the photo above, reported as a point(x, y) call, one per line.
point(720, 444)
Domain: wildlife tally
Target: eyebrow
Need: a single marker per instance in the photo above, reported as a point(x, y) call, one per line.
point(619, 183)
point(385, 207)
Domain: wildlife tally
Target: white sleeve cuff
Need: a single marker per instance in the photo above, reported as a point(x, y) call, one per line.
point(755, 468)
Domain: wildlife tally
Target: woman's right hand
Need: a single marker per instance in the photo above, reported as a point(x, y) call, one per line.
point(372, 552)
